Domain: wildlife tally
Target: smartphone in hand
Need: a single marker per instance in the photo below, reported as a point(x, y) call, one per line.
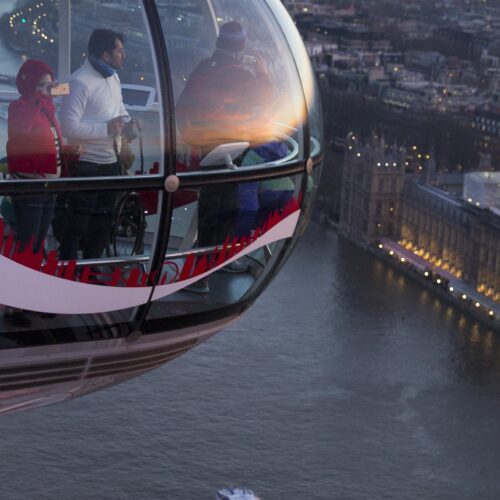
point(60, 89)
point(248, 59)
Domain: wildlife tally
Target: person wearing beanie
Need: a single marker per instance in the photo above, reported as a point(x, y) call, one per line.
point(232, 37)
point(221, 103)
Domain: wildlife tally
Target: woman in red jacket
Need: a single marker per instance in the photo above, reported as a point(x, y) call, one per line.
point(34, 150)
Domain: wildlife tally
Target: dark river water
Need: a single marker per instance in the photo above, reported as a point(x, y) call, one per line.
point(346, 380)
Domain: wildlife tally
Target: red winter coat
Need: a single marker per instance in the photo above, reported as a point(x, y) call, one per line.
point(31, 147)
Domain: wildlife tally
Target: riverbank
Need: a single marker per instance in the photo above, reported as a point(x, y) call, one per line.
point(447, 287)
point(453, 291)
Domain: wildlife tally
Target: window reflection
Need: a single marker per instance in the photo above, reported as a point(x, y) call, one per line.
point(237, 87)
point(126, 236)
point(251, 114)
point(138, 75)
point(210, 214)
point(107, 123)
point(123, 263)
point(41, 31)
point(224, 264)
point(31, 30)
point(308, 79)
point(35, 150)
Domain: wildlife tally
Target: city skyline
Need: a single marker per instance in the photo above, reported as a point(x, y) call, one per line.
point(411, 94)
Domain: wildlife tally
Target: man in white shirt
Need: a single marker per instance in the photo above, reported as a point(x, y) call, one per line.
point(93, 115)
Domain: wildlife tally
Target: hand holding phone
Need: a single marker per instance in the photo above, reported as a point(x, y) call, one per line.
point(248, 59)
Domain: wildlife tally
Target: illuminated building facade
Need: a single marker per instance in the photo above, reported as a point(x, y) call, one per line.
point(458, 235)
point(453, 235)
point(373, 178)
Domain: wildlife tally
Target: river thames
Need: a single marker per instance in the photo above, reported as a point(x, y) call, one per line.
point(345, 380)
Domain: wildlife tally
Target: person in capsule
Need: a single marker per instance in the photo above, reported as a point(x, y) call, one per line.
point(222, 103)
point(93, 115)
point(225, 94)
point(35, 150)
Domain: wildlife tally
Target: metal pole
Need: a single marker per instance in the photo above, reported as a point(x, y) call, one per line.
point(64, 61)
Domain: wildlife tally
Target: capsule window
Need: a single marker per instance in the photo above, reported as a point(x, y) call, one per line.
point(235, 86)
point(102, 118)
point(130, 122)
point(106, 103)
point(215, 242)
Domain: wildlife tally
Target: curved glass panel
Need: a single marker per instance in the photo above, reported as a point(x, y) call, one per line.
point(225, 239)
point(106, 108)
point(139, 138)
point(239, 103)
point(316, 123)
point(70, 266)
point(236, 88)
point(78, 242)
point(18, 39)
point(307, 76)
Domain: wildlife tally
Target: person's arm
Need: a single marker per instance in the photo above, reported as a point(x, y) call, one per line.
point(72, 112)
point(123, 111)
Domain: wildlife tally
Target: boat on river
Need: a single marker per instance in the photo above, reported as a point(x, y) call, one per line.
point(236, 494)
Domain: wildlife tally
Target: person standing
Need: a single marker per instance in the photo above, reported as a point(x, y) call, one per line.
point(34, 150)
point(93, 115)
point(222, 103)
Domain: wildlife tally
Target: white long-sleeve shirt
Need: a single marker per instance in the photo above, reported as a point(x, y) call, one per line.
point(92, 102)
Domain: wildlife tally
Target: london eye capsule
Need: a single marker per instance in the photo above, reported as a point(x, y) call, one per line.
point(159, 160)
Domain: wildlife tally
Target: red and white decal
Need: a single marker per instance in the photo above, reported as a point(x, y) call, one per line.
point(30, 282)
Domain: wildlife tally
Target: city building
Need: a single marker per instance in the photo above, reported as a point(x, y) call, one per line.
point(482, 189)
point(487, 122)
point(392, 61)
point(453, 235)
point(372, 181)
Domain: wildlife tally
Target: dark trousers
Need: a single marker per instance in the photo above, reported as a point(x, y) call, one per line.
point(272, 200)
point(90, 215)
point(217, 212)
point(248, 199)
point(33, 215)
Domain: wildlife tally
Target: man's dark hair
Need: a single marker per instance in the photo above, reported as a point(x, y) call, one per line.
point(103, 40)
